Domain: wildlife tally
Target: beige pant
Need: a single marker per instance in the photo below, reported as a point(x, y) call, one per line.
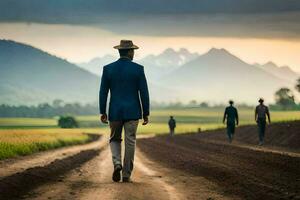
point(130, 128)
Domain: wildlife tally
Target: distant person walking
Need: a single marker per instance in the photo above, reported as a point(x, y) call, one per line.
point(232, 118)
point(172, 125)
point(261, 111)
point(129, 102)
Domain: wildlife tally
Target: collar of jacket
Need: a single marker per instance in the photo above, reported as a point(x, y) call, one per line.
point(124, 58)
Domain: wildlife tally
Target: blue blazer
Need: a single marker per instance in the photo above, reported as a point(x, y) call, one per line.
point(129, 95)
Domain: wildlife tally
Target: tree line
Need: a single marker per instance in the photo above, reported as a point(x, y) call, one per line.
point(284, 100)
point(46, 110)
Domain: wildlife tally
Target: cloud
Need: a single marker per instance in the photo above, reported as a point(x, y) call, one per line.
point(224, 18)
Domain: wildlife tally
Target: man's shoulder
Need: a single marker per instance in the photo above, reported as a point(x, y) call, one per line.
point(110, 64)
point(137, 65)
point(261, 106)
point(119, 62)
point(230, 108)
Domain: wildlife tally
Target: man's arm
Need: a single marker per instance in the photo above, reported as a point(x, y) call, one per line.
point(268, 114)
point(255, 115)
point(103, 93)
point(237, 117)
point(225, 113)
point(144, 94)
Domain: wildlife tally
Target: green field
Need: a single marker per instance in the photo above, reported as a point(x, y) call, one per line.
point(188, 119)
point(22, 136)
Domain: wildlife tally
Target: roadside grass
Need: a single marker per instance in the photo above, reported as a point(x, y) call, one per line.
point(23, 136)
point(23, 142)
point(188, 119)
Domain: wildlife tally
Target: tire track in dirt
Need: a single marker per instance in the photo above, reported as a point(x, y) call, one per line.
point(93, 181)
point(251, 173)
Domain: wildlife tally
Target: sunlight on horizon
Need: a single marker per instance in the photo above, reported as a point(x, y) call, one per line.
point(82, 43)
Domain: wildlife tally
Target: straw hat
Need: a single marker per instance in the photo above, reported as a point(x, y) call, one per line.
point(261, 100)
point(126, 44)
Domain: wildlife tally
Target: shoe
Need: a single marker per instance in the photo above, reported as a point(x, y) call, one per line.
point(126, 180)
point(116, 177)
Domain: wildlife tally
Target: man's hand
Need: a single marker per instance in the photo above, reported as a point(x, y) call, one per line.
point(103, 119)
point(146, 120)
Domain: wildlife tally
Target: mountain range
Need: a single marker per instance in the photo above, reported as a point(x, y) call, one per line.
point(29, 76)
point(217, 76)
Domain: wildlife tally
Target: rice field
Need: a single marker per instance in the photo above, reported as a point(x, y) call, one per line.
point(23, 136)
point(23, 142)
point(188, 119)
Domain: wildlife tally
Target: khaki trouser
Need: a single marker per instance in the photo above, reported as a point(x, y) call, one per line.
point(130, 128)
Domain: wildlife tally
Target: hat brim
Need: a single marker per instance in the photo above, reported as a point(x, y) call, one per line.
point(120, 47)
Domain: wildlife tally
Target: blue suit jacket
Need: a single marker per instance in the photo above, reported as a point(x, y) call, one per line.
point(129, 96)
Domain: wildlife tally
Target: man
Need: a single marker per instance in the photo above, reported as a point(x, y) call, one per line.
point(261, 111)
point(232, 118)
point(129, 102)
point(172, 125)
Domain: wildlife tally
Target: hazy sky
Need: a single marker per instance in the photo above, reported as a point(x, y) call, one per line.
point(78, 30)
point(78, 43)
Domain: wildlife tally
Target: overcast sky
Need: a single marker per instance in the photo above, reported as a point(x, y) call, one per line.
point(255, 30)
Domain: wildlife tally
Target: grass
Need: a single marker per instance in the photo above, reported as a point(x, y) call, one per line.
point(188, 119)
point(191, 119)
point(23, 136)
point(23, 142)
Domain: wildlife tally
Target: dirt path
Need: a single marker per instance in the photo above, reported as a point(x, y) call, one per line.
point(91, 180)
point(195, 167)
point(242, 170)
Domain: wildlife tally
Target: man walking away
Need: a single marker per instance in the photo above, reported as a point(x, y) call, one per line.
point(172, 125)
point(129, 102)
point(231, 116)
point(261, 111)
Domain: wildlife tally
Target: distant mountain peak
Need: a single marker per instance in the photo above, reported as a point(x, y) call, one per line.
point(169, 51)
point(184, 51)
point(218, 51)
point(270, 63)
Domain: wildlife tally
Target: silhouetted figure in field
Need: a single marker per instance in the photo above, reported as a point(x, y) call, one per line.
point(172, 125)
point(261, 111)
point(232, 118)
point(129, 102)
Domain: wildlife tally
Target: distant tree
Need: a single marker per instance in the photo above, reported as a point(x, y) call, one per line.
point(298, 85)
point(57, 103)
point(193, 103)
point(284, 97)
point(67, 122)
point(203, 105)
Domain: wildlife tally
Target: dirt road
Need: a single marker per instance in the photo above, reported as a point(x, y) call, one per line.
point(93, 181)
point(196, 166)
point(240, 168)
point(87, 175)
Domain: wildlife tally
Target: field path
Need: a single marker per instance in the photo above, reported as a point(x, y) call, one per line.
point(91, 180)
point(191, 166)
